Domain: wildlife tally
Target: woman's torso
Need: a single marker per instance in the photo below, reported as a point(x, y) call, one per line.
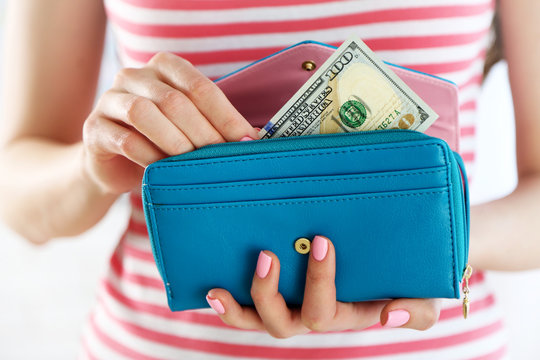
point(441, 37)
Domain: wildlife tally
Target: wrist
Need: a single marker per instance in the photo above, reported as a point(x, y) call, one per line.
point(86, 202)
point(476, 258)
point(478, 251)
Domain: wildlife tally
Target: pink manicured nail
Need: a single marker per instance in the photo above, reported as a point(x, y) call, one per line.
point(319, 247)
point(258, 129)
point(216, 305)
point(246, 138)
point(397, 318)
point(263, 265)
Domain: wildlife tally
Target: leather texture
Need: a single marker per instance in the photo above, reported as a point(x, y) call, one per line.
point(393, 202)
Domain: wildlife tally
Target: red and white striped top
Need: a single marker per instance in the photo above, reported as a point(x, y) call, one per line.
point(447, 38)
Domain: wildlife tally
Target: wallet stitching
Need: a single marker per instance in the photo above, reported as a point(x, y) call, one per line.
point(300, 181)
point(358, 197)
point(293, 156)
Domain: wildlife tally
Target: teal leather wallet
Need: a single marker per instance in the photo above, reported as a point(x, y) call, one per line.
point(393, 202)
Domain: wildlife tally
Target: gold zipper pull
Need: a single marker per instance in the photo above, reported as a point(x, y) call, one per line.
point(466, 276)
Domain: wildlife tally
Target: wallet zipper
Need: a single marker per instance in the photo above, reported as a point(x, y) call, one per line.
point(465, 281)
point(467, 272)
point(314, 141)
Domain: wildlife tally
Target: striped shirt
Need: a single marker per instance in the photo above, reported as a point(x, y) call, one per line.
point(447, 38)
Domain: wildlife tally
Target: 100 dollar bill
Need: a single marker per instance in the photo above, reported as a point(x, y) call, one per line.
point(352, 91)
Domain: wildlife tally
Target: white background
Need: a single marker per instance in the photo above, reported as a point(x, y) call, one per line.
point(47, 291)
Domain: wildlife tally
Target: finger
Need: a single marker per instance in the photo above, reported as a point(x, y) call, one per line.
point(279, 320)
point(319, 305)
point(419, 314)
point(142, 114)
point(205, 94)
point(126, 74)
point(231, 313)
point(107, 139)
point(176, 107)
point(320, 310)
point(357, 315)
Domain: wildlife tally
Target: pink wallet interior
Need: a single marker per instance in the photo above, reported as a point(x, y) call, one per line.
point(259, 90)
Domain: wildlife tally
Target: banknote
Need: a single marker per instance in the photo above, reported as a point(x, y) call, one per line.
point(352, 91)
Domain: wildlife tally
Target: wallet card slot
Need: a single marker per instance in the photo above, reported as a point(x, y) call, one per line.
point(354, 159)
point(299, 187)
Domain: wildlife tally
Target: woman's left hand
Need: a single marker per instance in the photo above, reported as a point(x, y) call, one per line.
point(320, 311)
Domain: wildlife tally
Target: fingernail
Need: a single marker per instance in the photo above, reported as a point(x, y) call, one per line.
point(258, 129)
point(216, 305)
point(246, 138)
point(397, 318)
point(263, 265)
point(319, 247)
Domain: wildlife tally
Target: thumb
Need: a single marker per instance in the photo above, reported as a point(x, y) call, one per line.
point(419, 314)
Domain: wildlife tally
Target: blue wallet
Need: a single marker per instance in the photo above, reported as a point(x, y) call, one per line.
point(393, 202)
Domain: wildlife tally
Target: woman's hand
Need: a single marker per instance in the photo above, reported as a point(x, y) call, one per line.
point(320, 311)
point(164, 108)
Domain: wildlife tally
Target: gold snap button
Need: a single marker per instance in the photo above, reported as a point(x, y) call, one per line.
point(308, 65)
point(302, 245)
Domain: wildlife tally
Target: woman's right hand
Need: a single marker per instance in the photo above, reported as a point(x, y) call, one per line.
point(320, 311)
point(165, 108)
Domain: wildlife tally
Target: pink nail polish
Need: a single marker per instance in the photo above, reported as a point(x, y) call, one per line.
point(258, 129)
point(319, 247)
point(263, 265)
point(397, 318)
point(246, 138)
point(216, 305)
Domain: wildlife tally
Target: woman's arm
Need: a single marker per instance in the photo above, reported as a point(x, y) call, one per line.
point(64, 162)
point(51, 64)
point(504, 233)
